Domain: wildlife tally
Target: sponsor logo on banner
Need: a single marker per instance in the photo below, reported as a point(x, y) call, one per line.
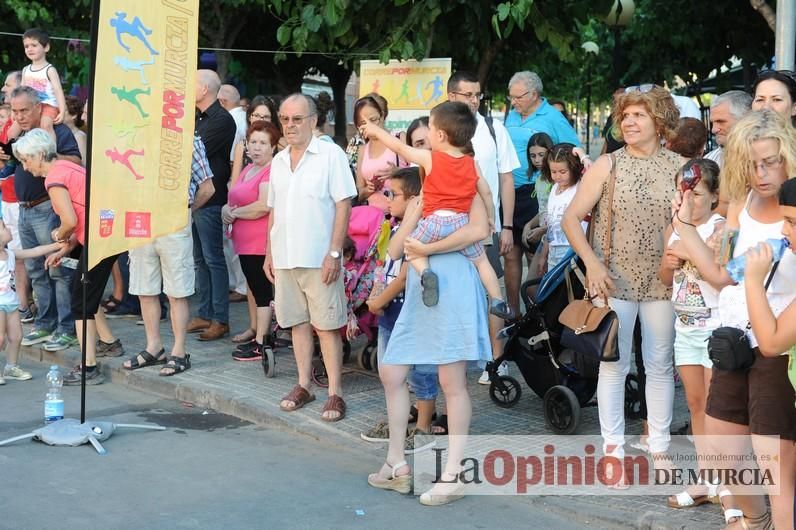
point(137, 224)
point(106, 222)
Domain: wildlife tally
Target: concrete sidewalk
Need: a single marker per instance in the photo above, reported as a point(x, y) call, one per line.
point(240, 389)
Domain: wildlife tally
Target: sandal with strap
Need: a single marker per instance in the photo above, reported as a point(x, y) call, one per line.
point(401, 484)
point(440, 426)
point(149, 360)
point(334, 404)
point(177, 365)
point(299, 396)
point(413, 413)
point(685, 500)
point(111, 303)
point(731, 515)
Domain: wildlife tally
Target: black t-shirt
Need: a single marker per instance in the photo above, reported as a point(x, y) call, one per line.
point(217, 129)
point(29, 188)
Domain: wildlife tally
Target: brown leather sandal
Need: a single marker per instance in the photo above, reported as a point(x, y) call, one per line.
point(300, 396)
point(334, 403)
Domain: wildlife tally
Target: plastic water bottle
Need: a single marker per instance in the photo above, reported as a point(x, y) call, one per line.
point(54, 403)
point(737, 266)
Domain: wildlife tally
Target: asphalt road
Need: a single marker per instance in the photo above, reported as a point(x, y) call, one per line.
point(209, 470)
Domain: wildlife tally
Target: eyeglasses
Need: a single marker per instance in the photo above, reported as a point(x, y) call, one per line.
point(477, 95)
point(297, 120)
point(389, 194)
point(515, 98)
point(772, 162)
point(642, 89)
point(262, 116)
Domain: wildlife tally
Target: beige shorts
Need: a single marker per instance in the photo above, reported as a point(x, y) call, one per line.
point(301, 296)
point(165, 264)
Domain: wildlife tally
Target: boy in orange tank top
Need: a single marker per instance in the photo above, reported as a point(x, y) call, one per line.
point(448, 191)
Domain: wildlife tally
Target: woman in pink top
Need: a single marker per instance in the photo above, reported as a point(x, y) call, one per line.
point(66, 185)
point(246, 214)
point(375, 161)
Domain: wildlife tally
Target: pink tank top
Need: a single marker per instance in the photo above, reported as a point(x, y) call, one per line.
point(249, 236)
point(370, 166)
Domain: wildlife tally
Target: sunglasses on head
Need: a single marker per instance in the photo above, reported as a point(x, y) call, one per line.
point(642, 89)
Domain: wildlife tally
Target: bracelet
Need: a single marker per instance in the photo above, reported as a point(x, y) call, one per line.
point(508, 227)
point(677, 214)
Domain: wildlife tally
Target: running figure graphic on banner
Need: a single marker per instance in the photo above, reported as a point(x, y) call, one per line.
point(135, 28)
point(131, 97)
point(124, 159)
point(127, 65)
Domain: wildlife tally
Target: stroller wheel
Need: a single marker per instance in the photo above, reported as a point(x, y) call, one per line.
point(319, 376)
point(269, 361)
point(364, 356)
point(561, 410)
point(632, 397)
point(505, 391)
point(374, 360)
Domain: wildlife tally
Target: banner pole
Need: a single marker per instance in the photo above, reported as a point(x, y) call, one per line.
point(95, 12)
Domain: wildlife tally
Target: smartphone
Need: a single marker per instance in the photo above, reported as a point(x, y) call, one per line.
point(727, 248)
point(69, 263)
point(691, 178)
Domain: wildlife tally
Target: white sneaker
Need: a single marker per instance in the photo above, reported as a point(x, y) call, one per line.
point(503, 370)
point(2, 381)
point(15, 372)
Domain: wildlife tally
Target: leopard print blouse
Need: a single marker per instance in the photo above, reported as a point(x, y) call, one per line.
point(641, 214)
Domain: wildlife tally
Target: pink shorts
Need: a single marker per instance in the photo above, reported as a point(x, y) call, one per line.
point(49, 111)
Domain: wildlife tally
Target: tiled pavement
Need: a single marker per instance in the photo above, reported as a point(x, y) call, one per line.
point(239, 388)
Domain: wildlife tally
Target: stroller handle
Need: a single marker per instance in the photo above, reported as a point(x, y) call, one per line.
point(524, 291)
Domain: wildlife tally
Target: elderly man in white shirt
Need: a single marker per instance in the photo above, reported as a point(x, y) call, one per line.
point(310, 196)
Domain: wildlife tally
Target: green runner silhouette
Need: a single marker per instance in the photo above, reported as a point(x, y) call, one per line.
point(131, 96)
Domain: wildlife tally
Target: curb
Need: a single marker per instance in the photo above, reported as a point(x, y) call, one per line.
point(183, 391)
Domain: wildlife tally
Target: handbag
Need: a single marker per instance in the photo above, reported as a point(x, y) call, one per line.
point(729, 348)
point(589, 329)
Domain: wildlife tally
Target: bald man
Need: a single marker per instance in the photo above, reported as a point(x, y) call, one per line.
point(217, 129)
point(229, 97)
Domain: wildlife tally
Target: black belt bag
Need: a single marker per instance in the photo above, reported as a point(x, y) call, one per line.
point(729, 348)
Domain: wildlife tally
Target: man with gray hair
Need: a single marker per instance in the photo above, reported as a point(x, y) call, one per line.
point(216, 128)
point(54, 324)
point(725, 111)
point(310, 196)
point(10, 206)
point(229, 97)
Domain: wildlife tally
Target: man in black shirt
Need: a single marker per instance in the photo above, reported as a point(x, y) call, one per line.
point(37, 220)
point(217, 129)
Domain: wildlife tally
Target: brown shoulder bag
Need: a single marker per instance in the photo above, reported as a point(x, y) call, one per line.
point(589, 329)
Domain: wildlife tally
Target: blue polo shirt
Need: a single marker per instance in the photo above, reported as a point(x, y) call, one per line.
point(546, 119)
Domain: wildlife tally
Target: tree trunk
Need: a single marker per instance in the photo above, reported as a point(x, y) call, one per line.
point(487, 59)
point(338, 80)
point(765, 10)
point(222, 64)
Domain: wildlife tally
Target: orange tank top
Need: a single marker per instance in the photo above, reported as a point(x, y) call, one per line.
point(451, 184)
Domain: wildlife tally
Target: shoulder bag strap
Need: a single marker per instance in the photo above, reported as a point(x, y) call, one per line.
point(610, 214)
point(768, 282)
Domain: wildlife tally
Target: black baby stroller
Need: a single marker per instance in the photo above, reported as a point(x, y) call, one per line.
point(565, 379)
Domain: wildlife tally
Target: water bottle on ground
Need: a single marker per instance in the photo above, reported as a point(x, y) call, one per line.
point(53, 402)
point(737, 266)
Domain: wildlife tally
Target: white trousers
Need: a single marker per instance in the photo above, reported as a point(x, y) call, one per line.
point(657, 340)
point(237, 281)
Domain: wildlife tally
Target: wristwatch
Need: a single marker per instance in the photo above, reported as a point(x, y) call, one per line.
point(334, 254)
point(507, 227)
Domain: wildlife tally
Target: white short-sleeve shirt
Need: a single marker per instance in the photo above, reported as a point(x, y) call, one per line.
point(303, 203)
point(239, 115)
point(494, 157)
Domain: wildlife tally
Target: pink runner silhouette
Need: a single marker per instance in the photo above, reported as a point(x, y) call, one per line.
point(124, 159)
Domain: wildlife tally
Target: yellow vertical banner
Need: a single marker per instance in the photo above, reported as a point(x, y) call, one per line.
point(142, 122)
